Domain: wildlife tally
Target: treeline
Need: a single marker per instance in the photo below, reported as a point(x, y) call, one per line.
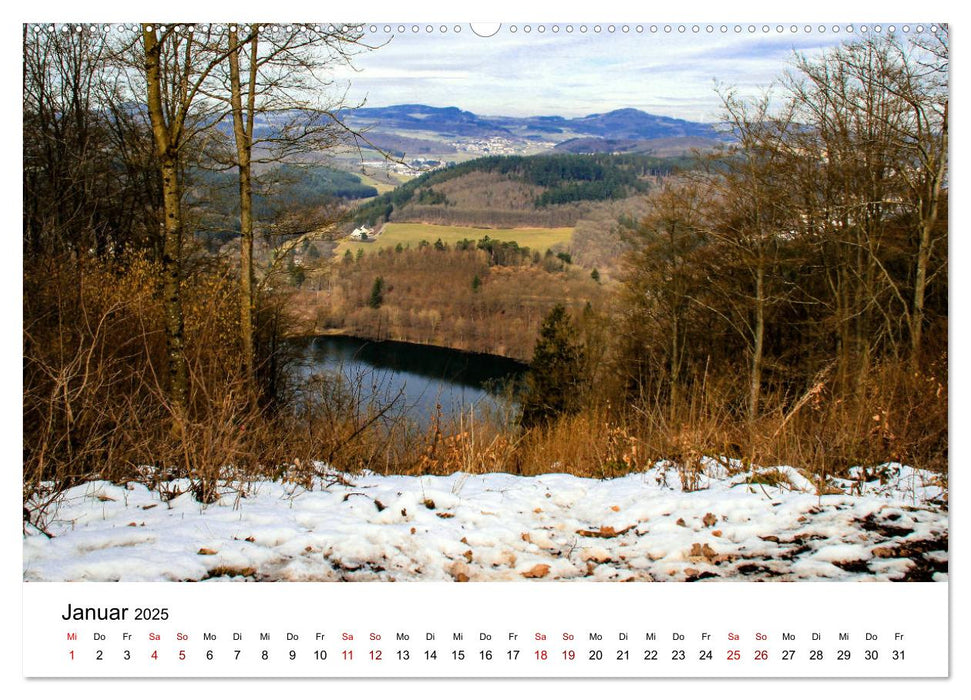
point(90, 182)
point(559, 179)
point(146, 357)
point(277, 191)
point(551, 217)
point(306, 185)
point(788, 303)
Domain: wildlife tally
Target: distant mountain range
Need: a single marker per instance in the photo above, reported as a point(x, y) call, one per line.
point(630, 124)
point(439, 120)
point(593, 133)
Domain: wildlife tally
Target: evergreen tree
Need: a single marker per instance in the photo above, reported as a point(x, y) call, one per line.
point(297, 274)
point(377, 293)
point(555, 377)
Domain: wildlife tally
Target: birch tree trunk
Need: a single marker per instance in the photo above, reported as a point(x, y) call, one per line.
point(243, 133)
point(758, 342)
point(167, 151)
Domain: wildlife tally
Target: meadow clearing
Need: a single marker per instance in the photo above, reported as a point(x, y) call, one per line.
point(411, 235)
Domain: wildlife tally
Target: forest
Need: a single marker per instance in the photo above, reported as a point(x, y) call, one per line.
point(780, 301)
point(484, 295)
point(542, 181)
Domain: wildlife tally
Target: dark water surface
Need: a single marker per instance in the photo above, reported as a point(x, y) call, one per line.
point(425, 376)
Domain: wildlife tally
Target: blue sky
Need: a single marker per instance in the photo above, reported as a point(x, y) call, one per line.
point(577, 73)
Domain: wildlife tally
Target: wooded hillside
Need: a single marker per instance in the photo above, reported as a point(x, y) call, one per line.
point(543, 190)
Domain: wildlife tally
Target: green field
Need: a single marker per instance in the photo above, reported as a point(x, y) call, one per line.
point(381, 186)
point(412, 234)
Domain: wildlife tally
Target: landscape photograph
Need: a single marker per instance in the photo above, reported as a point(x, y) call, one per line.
point(518, 302)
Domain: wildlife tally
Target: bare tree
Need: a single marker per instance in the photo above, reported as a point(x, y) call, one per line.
point(750, 218)
point(88, 187)
point(662, 277)
point(178, 64)
point(279, 76)
point(922, 82)
point(876, 135)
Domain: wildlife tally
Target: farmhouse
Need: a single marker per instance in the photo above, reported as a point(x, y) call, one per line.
point(362, 233)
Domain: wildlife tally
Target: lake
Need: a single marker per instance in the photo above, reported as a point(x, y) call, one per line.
point(421, 377)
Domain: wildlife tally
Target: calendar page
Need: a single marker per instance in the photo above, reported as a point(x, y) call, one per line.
point(603, 349)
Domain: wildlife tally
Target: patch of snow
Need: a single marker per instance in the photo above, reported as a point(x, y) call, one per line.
point(740, 523)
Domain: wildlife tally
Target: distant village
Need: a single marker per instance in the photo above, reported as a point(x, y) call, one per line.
point(495, 145)
point(411, 168)
point(491, 146)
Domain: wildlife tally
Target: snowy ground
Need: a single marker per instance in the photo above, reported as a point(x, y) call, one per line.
point(888, 524)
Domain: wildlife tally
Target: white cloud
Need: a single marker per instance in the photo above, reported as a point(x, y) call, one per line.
point(576, 73)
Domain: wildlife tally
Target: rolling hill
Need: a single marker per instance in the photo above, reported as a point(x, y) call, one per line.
point(550, 190)
point(451, 127)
